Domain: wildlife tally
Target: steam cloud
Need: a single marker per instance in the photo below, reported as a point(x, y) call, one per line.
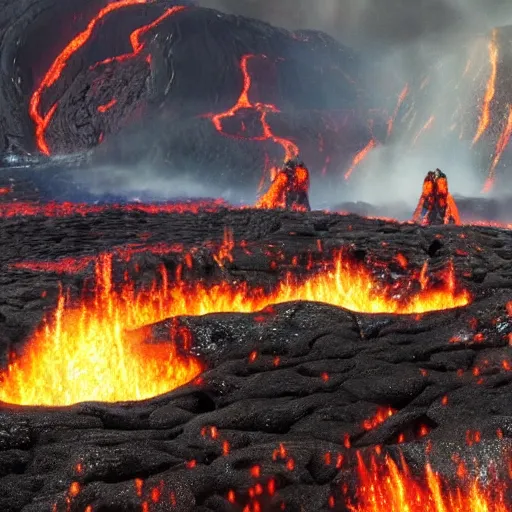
point(407, 38)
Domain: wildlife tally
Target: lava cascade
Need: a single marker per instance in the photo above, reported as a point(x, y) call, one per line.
point(384, 485)
point(83, 353)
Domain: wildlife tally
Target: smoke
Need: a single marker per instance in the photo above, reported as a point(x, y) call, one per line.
point(402, 41)
point(370, 23)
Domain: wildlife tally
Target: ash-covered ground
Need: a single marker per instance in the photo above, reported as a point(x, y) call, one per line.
point(290, 394)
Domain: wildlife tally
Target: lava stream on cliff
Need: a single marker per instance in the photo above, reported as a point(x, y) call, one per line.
point(290, 149)
point(42, 120)
point(82, 352)
point(384, 485)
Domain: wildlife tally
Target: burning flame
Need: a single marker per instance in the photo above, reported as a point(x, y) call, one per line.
point(485, 117)
point(386, 486)
point(82, 353)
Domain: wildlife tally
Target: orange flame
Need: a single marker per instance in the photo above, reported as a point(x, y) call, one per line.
point(386, 486)
point(485, 117)
point(290, 149)
point(225, 252)
point(42, 120)
point(83, 353)
point(500, 147)
point(379, 418)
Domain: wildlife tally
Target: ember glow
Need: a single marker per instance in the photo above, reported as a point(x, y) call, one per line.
point(501, 145)
point(67, 209)
point(386, 486)
point(41, 119)
point(82, 352)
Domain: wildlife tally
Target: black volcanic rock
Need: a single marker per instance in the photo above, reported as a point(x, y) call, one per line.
point(336, 368)
point(194, 69)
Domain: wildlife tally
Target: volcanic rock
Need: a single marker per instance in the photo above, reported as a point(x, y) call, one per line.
point(154, 106)
point(319, 372)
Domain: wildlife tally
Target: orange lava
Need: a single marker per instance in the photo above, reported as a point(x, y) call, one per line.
point(425, 127)
point(485, 117)
point(501, 145)
point(244, 103)
point(42, 120)
point(67, 209)
point(359, 157)
point(107, 106)
point(275, 197)
point(379, 418)
point(384, 486)
point(82, 352)
point(401, 99)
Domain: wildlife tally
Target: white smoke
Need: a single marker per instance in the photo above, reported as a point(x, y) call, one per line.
point(409, 39)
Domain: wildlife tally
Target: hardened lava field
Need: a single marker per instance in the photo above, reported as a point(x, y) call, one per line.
point(339, 359)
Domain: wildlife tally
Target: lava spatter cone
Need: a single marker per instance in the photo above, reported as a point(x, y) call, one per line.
point(82, 353)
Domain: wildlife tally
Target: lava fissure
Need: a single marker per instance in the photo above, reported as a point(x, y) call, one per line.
point(290, 149)
point(93, 358)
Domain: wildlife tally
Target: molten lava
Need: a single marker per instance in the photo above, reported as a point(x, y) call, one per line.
point(384, 486)
point(82, 353)
point(501, 145)
point(244, 103)
point(360, 156)
point(288, 190)
point(485, 117)
point(41, 119)
point(67, 209)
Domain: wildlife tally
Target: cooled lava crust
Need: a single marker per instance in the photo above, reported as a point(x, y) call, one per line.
point(296, 382)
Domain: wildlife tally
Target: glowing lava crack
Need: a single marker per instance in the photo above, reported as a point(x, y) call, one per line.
point(83, 354)
point(42, 120)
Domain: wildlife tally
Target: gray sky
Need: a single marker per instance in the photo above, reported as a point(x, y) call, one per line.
point(374, 22)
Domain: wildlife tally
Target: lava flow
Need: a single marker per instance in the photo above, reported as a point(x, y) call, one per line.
point(386, 486)
point(82, 353)
point(67, 209)
point(244, 103)
point(42, 120)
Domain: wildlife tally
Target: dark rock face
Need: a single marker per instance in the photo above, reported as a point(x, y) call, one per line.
point(152, 106)
point(318, 374)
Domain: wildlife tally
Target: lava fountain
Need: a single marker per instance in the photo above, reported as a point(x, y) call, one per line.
point(82, 353)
